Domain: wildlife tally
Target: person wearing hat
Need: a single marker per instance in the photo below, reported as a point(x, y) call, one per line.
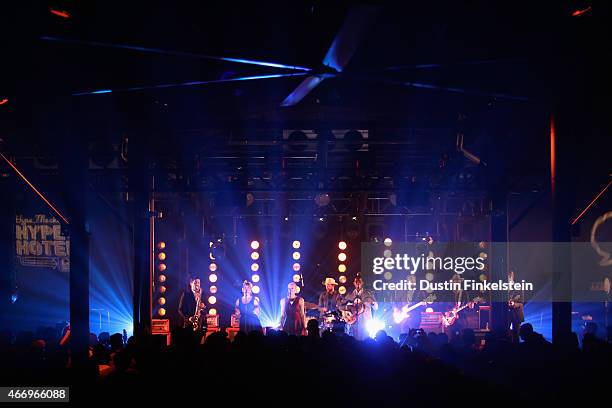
point(362, 303)
point(329, 300)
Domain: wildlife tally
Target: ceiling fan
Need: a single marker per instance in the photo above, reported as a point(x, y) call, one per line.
point(342, 48)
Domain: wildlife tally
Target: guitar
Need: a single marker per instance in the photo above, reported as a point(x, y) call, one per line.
point(450, 317)
point(399, 315)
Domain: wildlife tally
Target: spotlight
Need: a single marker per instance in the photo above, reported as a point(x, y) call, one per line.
point(161, 267)
point(213, 289)
point(212, 267)
point(342, 257)
point(296, 255)
point(296, 278)
point(482, 277)
point(14, 297)
point(254, 244)
point(161, 278)
point(255, 278)
point(429, 310)
point(161, 245)
point(482, 245)
point(342, 245)
point(342, 290)
point(255, 267)
point(212, 278)
point(342, 268)
point(387, 253)
point(162, 289)
point(212, 300)
point(255, 289)
point(388, 242)
point(373, 326)
point(483, 255)
point(254, 256)
point(296, 244)
point(296, 267)
point(212, 312)
point(161, 311)
point(161, 256)
point(161, 301)
point(342, 279)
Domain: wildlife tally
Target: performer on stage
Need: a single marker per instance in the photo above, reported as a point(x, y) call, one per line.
point(459, 298)
point(329, 300)
point(516, 314)
point(359, 305)
point(247, 309)
point(293, 318)
point(190, 297)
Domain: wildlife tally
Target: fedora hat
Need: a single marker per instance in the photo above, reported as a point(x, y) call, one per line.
point(330, 281)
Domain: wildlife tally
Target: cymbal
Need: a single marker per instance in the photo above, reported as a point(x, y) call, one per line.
point(310, 306)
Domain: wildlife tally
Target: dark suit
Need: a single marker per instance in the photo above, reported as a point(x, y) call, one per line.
point(187, 307)
point(516, 314)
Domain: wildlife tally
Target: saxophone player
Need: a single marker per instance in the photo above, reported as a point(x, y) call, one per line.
point(191, 305)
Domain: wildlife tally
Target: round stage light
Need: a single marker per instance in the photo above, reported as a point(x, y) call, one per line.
point(161, 256)
point(342, 245)
point(297, 289)
point(342, 279)
point(296, 256)
point(296, 278)
point(255, 289)
point(387, 253)
point(296, 267)
point(388, 242)
point(212, 278)
point(255, 267)
point(212, 312)
point(342, 290)
point(161, 267)
point(161, 278)
point(254, 256)
point(429, 310)
point(482, 245)
point(161, 245)
point(212, 300)
point(161, 301)
point(161, 311)
point(482, 277)
point(255, 278)
point(162, 289)
point(212, 267)
point(342, 268)
point(342, 257)
point(429, 276)
point(254, 244)
point(296, 244)
point(483, 255)
point(213, 289)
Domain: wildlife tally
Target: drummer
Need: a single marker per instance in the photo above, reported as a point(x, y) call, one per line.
point(329, 300)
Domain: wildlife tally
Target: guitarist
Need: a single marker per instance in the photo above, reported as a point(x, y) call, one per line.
point(358, 309)
point(459, 298)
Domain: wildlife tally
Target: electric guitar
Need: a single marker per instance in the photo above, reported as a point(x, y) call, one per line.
point(399, 315)
point(450, 317)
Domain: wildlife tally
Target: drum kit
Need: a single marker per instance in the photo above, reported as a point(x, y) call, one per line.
point(332, 321)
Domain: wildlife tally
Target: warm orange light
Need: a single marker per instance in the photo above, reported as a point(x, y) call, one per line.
point(212, 312)
point(296, 278)
point(161, 278)
point(296, 256)
point(255, 267)
point(296, 267)
point(161, 256)
point(578, 13)
point(553, 160)
point(255, 256)
point(342, 268)
point(212, 300)
point(342, 245)
point(255, 289)
point(342, 290)
point(212, 278)
point(255, 278)
point(161, 267)
point(161, 311)
point(342, 279)
point(3, 101)
point(161, 301)
point(296, 244)
point(161, 245)
point(254, 244)
point(213, 289)
point(162, 289)
point(60, 13)
point(212, 267)
point(342, 257)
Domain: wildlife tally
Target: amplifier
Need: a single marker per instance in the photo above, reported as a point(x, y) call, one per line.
point(212, 320)
point(431, 322)
point(235, 321)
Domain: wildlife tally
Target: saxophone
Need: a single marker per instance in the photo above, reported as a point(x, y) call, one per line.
point(195, 321)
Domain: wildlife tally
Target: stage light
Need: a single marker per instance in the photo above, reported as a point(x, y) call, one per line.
point(212, 278)
point(429, 276)
point(387, 253)
point(342, 279)
point(14, 297)
point(297, 289)
point(388, 242)
point(255, 289)
point(161, 267)
point(255, 267)
point(296, 267)
point(296, 244)
point(161, 256)
point(296, 278)
point(482, 245)
point(161, 245)
point(342, 268)
point(212, 300)
point(255, 256)
point(162, 289)
point(373, 326)
point(429, 310)
point(213, 289)
point(296, 256)
point(483, 255)
point(482, 277)
point(161, 301)
point(161, 278)
point(255, 278)
point(254, 244)
point(342, 290)
point(342, 245)
point(161, 311)
point(212, 267)
point(342, 257)
point(212, 312)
